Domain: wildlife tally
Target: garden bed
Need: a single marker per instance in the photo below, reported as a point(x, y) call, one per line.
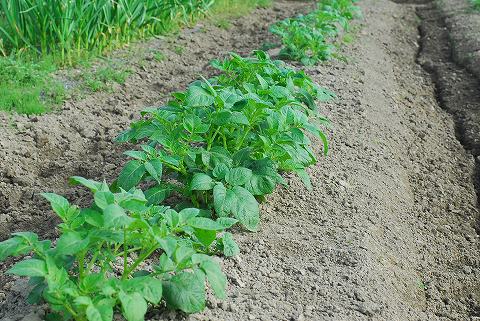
point(388, 231)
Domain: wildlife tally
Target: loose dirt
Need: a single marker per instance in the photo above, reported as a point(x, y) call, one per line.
point(388, 233)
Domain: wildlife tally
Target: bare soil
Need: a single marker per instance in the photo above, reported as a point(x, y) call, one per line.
point(388, 233)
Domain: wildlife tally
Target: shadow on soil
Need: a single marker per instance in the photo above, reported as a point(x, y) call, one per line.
point(457, 90)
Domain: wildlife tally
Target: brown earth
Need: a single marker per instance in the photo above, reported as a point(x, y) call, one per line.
point(388, 233)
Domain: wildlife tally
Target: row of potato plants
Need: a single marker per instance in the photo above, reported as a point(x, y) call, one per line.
point(313, 37)
point(220, 147)
point(204, 162)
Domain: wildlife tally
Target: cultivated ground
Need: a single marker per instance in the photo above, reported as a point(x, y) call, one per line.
point(388, 233)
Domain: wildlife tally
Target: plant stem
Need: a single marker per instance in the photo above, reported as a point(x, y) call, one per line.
point(125, 254)
point(139, 260)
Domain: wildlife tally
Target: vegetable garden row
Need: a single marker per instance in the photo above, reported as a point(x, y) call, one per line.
point(211, 154)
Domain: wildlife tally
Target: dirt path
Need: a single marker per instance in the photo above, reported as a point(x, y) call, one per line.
point(388, 231)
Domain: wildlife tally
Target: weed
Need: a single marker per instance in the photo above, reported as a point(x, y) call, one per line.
point(26, 88)
point(103, 78)
point(179, 49)
point(224, 10)
point(158, 56)
point(223, 24)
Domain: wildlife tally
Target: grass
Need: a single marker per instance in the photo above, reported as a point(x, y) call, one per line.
point(224, 10)
point(179, 50)
point(27, 87)
point(37, 50)
point(159, 56)
point(476, 4)
point(102, 79)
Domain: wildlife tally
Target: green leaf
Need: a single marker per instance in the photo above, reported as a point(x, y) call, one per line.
point(183, 254)
point(156, 195)
point(136, 154)
point(230, 247)
point(221, 117)
point(201, 182)
point(71, 243)
point(83, 300)
point(134, 306)
point(194, 125)
point(101, 311)
point(305, 178)
point(238, 202)
point(220, 171)
point(187, 213)
point(115, 216)
point(186, 291)
point(263, 82)
point(172, 217)
point(91, 282)
point(196, 96)
point(216, 278)
point(149, 287)
point(90, 184)
point(206, 237)
point(103, 199)
point(152, 290)
point(205, 224)
point(239, 118)
point(245, 208)
point(60, 204)
point(219, 195)
point(227, 222)
point(93, 217)
point(238, 176)
point(279, 92)
point(30, 267)
point(35, 296)
point(13, 247)
point(260, 185)
point(154, 167)
point(131, 174)
point(229, 97)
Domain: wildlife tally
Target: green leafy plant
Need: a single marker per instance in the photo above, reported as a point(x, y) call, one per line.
point(71, 30)
point(221, 146)
point(223, 141)
point(103, 78)
point(26, 88)
point(98, 263)
point(310, 38)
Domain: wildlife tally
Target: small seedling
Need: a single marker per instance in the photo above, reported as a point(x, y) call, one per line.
point(159, 56)
point(179, 49)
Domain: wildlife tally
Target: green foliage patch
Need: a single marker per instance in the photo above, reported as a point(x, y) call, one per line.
point(223, 141)
point(97, 264)
point(72, 30)
point(311, 38)
point(26, 88)
point(213, 152)
point(221, 146)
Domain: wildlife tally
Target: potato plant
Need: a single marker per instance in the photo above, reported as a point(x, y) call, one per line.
point(224, 141)
point(97, 266)
point(310, 38)
point(221, 146)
